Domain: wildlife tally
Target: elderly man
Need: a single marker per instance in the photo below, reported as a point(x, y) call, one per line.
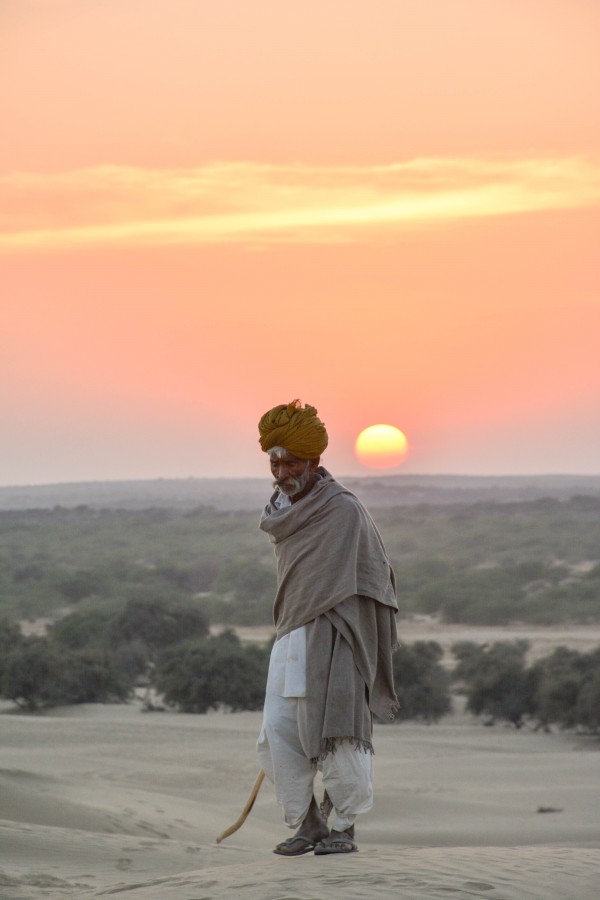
point(331, 664)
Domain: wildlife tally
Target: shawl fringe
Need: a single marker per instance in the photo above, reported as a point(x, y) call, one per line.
point(330, 745)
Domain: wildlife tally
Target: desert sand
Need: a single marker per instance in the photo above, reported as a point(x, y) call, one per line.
point(100, 801)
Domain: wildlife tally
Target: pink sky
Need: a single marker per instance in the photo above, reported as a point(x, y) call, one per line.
point(389, 210)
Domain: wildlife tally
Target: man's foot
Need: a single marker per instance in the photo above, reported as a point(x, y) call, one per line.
point(295, 846)
point(312, 830)
point(337, 842)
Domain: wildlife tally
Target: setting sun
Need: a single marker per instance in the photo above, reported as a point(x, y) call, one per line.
point(381, 446)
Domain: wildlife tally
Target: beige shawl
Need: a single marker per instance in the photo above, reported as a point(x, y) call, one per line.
point(334, 576)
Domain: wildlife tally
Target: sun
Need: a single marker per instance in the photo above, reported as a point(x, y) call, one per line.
point(381, 446)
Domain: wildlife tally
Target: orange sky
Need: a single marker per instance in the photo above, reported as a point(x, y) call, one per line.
point(389, 210)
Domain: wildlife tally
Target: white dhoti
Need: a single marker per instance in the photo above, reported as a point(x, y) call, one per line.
point(347, 772)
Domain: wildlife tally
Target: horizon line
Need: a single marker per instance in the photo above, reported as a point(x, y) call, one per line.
point(366, 475)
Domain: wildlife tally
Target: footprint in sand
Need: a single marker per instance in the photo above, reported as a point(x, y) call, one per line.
point(124, 863)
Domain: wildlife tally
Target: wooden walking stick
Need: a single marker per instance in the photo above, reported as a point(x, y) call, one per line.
point(244, 814)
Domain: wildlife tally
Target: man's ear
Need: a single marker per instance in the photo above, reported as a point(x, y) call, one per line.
point(314, 464)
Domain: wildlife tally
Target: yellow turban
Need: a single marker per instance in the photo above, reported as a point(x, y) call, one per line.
point(294, 427)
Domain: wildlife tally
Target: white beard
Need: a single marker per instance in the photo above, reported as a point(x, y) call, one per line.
point(291, 486)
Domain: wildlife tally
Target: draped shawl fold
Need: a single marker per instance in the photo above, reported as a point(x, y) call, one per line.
point(334, 576)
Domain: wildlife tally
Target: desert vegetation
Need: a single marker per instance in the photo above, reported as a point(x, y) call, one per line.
point(166, 648)
point(486, 563)
point(129, 595)
point(561, 689)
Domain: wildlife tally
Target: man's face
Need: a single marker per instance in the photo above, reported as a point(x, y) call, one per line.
point(290, 473)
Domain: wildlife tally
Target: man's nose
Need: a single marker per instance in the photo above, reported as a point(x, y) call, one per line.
point(281, 471)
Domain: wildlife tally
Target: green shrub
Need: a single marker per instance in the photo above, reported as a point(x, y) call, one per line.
point(422, 684)
point(157, 622)
point(10, 638)
point(38, 674)
point(588, 701)
point(566, 682)
point(497, 681)
point(86, 626)
point(219, 671)
point(561, 689)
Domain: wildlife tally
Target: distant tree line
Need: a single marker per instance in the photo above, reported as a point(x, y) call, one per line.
point(482, 563)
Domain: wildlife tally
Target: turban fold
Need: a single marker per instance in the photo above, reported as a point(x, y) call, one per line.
point(295, 427)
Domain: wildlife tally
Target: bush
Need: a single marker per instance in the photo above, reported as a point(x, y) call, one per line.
point(93, 676)
point(130, 634)
point(219, 671)
point(567, 689)
point(469, 660)
point(40, 674)
point(588, 702)
point(10, 638)
point(157, 622)
point(94, 654)
point(422, 684)
point(85, 627)
point(496, 679)
point(31, 674)
point(80, 584)
point(561, 689)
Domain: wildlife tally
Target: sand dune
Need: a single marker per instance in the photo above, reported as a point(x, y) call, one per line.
point(102, 801)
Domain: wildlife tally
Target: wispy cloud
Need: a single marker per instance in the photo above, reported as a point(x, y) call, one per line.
point(252, 203)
